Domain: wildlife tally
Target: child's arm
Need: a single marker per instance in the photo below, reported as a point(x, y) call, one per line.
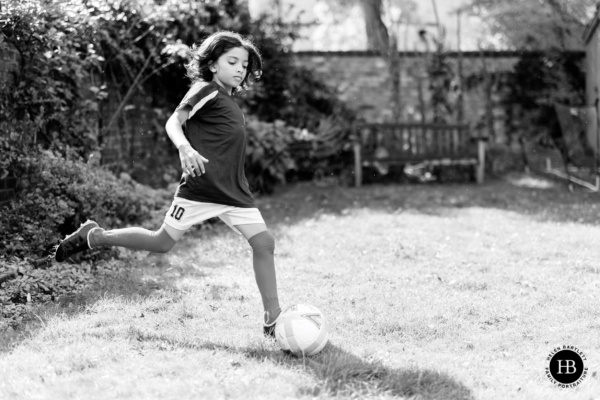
point(191, 161)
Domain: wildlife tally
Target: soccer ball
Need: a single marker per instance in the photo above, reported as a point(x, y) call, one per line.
point(302, 330)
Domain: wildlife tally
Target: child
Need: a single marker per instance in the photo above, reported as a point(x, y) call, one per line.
point(212, 152)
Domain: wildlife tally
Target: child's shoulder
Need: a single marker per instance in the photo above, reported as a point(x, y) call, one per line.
point(202, 86)
point(200, 92)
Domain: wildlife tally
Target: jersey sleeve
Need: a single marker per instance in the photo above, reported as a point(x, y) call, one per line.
point(198, 96)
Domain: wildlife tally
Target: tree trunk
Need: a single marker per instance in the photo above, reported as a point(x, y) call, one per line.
point(377, 33)
point(422, 105)
point(460, 101)
point(395, 70)
point(380, 41)
point(489, 106)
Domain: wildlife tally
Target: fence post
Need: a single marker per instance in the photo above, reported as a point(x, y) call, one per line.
point(357, 164)
point(481, 157)
point(356, 146)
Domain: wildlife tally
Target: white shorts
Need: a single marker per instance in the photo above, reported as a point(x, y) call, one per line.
point(183, 214)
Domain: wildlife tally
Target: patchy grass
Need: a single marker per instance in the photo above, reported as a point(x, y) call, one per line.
point(432, 292)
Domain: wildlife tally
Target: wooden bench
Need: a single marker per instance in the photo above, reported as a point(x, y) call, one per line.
point(417, 144)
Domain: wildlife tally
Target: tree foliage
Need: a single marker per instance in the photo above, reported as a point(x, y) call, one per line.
point(535, 24)
point(56, 56)
point(80, 58)
point(550, 28)
point(537, 83)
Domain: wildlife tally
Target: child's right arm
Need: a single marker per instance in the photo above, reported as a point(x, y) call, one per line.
point(191, 161)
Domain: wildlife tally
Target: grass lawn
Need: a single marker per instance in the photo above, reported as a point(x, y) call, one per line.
point(431, 292)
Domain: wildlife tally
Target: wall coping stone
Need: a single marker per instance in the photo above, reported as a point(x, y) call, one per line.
point(414, 54)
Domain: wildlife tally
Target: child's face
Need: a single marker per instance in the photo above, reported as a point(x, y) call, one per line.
point(231, 68)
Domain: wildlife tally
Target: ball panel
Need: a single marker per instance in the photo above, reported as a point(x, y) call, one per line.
point(305, 332)
point(290, 335)
point(319, 343)
point(302, 329)
point(281, 337)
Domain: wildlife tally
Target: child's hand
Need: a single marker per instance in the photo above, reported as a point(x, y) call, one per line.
point(192, 163)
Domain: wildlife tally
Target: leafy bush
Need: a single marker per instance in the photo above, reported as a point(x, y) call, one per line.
point(35, 286)
point(540, 81)
point(41, 285)
point(278, 153)
point(45, 103)
point(326, 153)
point(55, 195)
point(76, 56)
point(268, 153)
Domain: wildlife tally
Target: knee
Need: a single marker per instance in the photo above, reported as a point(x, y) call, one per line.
point(263, 242)
point(164, 245)
point(163, 248)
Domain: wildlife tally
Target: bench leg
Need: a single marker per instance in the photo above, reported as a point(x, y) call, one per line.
point(357, 165)
point(481, 161)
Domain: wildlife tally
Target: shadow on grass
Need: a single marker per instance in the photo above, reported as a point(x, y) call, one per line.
point(543, 202)
point(343, 373)
point(127, 278)
point(139, 278)
point(340, 373)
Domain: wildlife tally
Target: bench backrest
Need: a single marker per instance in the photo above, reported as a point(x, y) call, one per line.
point(415, 142)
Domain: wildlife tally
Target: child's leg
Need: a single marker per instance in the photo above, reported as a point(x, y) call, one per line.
point(160, 241)
point(91, 235)
point(263, 247)
point(181, 216)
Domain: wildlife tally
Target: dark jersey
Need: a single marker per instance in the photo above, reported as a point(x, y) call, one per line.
point(216, 128)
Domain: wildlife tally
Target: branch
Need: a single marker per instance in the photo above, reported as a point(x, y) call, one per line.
point(437, 18)
point(134, 85)
point(565, 16)
point(157, 70)
point(143, 35)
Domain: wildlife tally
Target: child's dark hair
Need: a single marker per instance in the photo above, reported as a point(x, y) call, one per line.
point(201, 57)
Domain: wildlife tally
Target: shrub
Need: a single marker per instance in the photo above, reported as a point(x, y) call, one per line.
point(277, 152)
point(45, 102)
point(35, 286)
point(55, 195)
point(326, 153)
point(41, 285)
point(268, 153)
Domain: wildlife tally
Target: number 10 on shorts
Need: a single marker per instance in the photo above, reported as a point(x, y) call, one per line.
point(177, 212)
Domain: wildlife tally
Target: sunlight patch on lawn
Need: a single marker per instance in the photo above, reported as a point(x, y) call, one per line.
point(531, 181)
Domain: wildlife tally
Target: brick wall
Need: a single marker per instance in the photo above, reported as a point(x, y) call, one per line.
point(9, 64)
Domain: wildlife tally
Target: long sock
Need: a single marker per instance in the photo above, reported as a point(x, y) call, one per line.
point(263, 247)
point(133, 238)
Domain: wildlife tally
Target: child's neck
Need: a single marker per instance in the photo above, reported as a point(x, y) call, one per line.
point(228, 90)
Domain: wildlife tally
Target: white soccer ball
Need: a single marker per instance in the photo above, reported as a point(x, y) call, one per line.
point(302, 330)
